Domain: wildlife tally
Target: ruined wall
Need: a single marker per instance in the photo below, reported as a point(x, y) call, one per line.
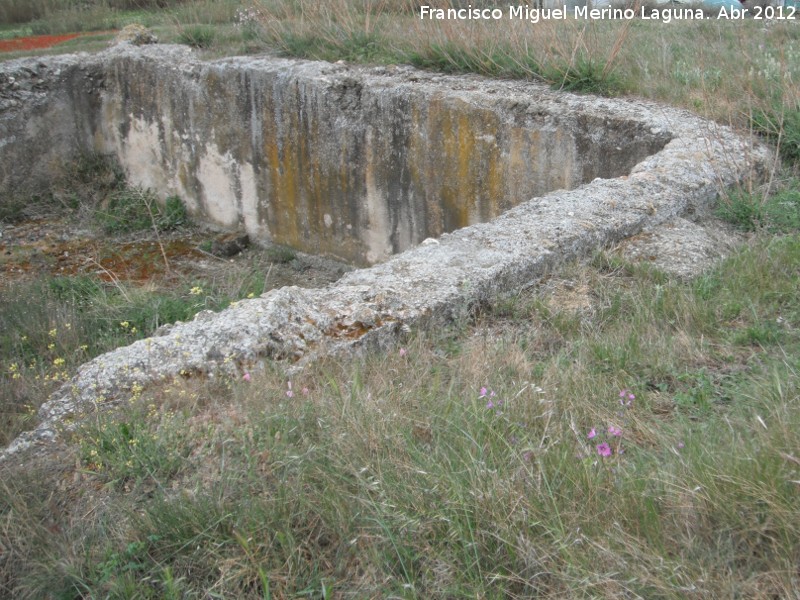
point(48, 112)
point(350, 162)
point(273, 171)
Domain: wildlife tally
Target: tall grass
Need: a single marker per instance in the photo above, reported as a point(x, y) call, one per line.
point(469, 463)
point(23, 11)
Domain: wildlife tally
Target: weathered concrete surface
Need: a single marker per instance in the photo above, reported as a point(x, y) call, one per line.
point(47, 113)
point(439, 279)
point(354, 163)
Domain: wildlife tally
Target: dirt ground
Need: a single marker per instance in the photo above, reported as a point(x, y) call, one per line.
point(59, 246)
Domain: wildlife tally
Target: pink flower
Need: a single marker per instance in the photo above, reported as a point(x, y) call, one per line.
point(614, 431)
point(246, 376)
point(592, 434)
point(289, 392)
point(626, 398)
point(402, 351)
point(490, 404)
point(604, 449)
point(305, 391)
point(484, 391)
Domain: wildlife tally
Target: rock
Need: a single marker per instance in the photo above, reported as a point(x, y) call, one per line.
point(135, 34)
point(229, 246)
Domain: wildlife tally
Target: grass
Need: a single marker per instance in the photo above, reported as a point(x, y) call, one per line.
point(462, 465)
point(777, 212)
point(697, 65)
point(492, 458)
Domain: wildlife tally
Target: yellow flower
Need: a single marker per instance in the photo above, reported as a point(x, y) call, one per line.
point(58, 362)
point(51, 346)
point(53, 333)
point(124, 324)
point(196, 290)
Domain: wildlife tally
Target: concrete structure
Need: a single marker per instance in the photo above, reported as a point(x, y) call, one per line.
point(357, 164)
point(398, 142)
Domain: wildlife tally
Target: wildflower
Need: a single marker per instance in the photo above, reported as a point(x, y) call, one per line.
point(604, 449)
point(196, 290)
point(124, 324)
point(58, 362)
point(53, 333)
point(289, 392)
point(402, 351)
point(616, 432)
point(246, 376)
point(251, 295)
point(305, 391)
point(51, 346)
point(626, 398)
point(490, 404)
point(484, 391)
point(592, 433)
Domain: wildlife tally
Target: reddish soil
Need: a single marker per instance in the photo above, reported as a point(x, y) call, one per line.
point(35, 42)
point(56, 246)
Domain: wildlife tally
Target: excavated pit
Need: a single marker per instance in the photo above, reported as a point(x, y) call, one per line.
point(357, 163)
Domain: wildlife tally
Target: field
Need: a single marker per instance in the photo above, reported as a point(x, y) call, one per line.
point(614, 432)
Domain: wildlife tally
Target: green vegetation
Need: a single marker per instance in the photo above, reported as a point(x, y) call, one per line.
point(197, 36)
point(614, 433)
point(136, 209)
point(781, 124)
point(463, 465)
point(778, 212)
point(76, 318)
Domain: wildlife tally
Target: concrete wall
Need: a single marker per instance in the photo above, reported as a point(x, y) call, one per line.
point(372, 307)
point(348, 162)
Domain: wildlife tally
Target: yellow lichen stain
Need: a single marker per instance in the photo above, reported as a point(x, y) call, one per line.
point(450, 189)
point(466, 173)
point(283, 198)
point(495, 176)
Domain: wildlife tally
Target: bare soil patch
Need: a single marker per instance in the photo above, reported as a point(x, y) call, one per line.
point(56, 246)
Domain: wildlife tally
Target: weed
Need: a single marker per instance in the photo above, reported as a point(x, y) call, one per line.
point(779, 212)
point(140, 444)
point(136, 209)
point(586, 76)
point(280, 254)
point(197, 36)
point(781, 124)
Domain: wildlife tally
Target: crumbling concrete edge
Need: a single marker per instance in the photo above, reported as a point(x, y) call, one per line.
point(438, 280)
